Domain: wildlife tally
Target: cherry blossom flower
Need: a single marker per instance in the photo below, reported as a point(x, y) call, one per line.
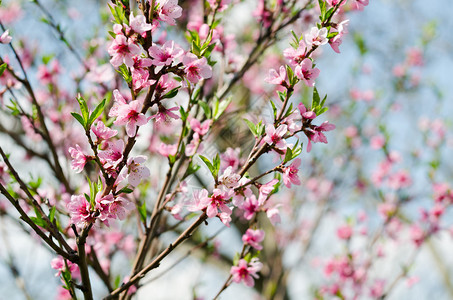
point(200, 128)
point(289, 174)
point(275, 136)
point(136, 170)
point(167, 149)
point(138, 24)
point(265, 190)
point(360, 4)
point(276, 77)
point(59, 264)
point(130, 115)
point(196, 68)
point(102, 132)
point(273, 214)
point(304, 113)
point(111, 207)
point(168, 10)
point(140, 79)
point(253, 238)
point(199, 198)
point(166, 84)
point(316, 37)
point(216, 202)
point(316, 135)
point(344, 232)
point(245, 271)
point(166, 54)
point(295, 56)
point(229, 179)
point(165, 114)
point(79, 159)
point(230, 158)
point(220, 5)
point(4, 176)
point(122, 51)
point(306, 72)
point(113, 154)
point(5, 38)
point(80, 211)
point(250, 206)
point(336, 2)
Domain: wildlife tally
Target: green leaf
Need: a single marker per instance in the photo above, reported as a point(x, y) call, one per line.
point(125, 190)
point(251, 126)
point(183, 113)
point(222, 107)
point(96, 113)
point(52, 213)
point(3, 68)
point(191, 169)
point(208, 164)
point(83, 108)
point(274, 109)
point(316, 98)
point(142, 211)
point(78, 118)
point(171, 93)
point(38, 221)
point(124, 71)
point(206, 109)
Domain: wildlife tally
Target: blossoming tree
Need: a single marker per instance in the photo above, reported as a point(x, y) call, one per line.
point(161, 132)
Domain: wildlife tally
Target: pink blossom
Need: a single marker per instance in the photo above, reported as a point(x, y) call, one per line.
point(377, 142)
point(250, 206)
point(122, 51)
point(360, 4)
point(296, 56)
point(304, 113)
point(253, 238)
point(230, 158)
point(4, 176)
point(290, 175)
point(335, 2)
point(5, 38)
point(113, 208)
point(165, 55)
point(140, 79)
point(113, 154)
point(166, 84)
point(102, 132)
point(199, 198)
point(168, 10)
point(400, 179)
point(59, 264)
point(344, 232)
point(216, 202)
point(316, 135)
point(229, 179)
point(265, 190)
point(80, 211)
point(274, 215)
point(275, 136)
point(130, 115)
point(138, 24)
point(220, 5)
point(306, 72)
point(193, 146)
point(79, 159)
point(29, 129)
point(165, 114)
point(316, 37)
point(200, 128)
point(276, 77)
point(196, 68)
point(136, 170)
point(167, 149)
point(246, 271)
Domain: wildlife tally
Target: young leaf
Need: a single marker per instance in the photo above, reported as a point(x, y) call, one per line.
point(78, 118)
point(206, 109)
point(142, 211)
point(52, 213)
point(97, 112)
point(2, 68)
point(251, 126)
point(83, 108)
